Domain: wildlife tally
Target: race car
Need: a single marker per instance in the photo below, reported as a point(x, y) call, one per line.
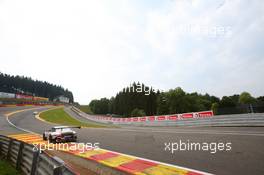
point(59, 134)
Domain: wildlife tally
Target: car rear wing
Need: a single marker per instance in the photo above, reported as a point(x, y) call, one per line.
point(62, 127)
point(79, 127)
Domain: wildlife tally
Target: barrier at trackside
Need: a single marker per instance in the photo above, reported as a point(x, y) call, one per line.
point(25, 158)
point(14, 105)
point(172, 117)
point(22, 96)
point(204, 118)
point(97, 161)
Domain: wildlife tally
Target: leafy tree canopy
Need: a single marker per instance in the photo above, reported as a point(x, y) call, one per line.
point(246, 98)
point(26, 85)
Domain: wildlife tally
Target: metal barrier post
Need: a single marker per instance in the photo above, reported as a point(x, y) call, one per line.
point(57, 170)
point(9, 149)
point(34, 162)
point(251, 108)
point(19, 156)
point(0, 147)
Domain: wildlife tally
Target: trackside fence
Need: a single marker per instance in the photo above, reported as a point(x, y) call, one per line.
point(27, 159)
point(204, 118)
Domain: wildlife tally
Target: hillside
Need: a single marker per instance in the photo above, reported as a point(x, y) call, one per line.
point(28, 86)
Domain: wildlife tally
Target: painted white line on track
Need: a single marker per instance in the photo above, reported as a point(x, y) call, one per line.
point(19, 128)
point(25, 130)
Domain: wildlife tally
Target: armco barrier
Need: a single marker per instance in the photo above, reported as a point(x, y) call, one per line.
point(145, 119)
point(105, 162)
point(28, 160)
point(15, 105)
point(189, 119)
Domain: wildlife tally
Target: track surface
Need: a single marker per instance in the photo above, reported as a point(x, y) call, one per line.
point(246, 156)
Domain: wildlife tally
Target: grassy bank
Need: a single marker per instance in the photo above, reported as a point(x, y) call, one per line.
point(7, 169)
point(86, 109)
point(59, 116)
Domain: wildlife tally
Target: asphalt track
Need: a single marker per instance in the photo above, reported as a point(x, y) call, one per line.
point(245, 157)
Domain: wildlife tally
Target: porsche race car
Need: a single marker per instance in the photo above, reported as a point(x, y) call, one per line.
point(59, 134)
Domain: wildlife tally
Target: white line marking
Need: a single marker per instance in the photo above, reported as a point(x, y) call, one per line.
point(12, 124)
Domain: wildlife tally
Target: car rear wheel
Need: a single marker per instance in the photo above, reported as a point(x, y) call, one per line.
point(58, 140)
point(44, 137)
point(50, 139)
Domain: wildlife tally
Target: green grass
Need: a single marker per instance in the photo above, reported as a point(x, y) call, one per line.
point(7, 169)
point(59, 116)
point(86, 109)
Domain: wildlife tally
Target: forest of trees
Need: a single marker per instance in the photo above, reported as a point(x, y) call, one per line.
point(126, 101)
point(26, 85)
point(129, 102)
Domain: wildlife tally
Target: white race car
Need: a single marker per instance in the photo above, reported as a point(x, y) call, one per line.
point(59, 134)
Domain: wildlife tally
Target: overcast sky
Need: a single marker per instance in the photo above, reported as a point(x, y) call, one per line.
point(95, 48)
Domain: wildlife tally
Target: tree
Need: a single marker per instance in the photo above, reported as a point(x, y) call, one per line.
point(137, 113)
point(176, 101)
point(129, 102)
point(215, 107)
point(235, 98)
point(260, 99)
point(227, 102)
point(162, 104)
point(135, 96)
point(246, 98)
point(100, 106)
point(28, 86)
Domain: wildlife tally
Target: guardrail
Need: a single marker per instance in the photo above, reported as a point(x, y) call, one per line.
point(251, 119)
point(27, 159)
point(171, 117)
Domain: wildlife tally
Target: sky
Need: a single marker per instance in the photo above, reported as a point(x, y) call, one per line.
point(95, 48)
